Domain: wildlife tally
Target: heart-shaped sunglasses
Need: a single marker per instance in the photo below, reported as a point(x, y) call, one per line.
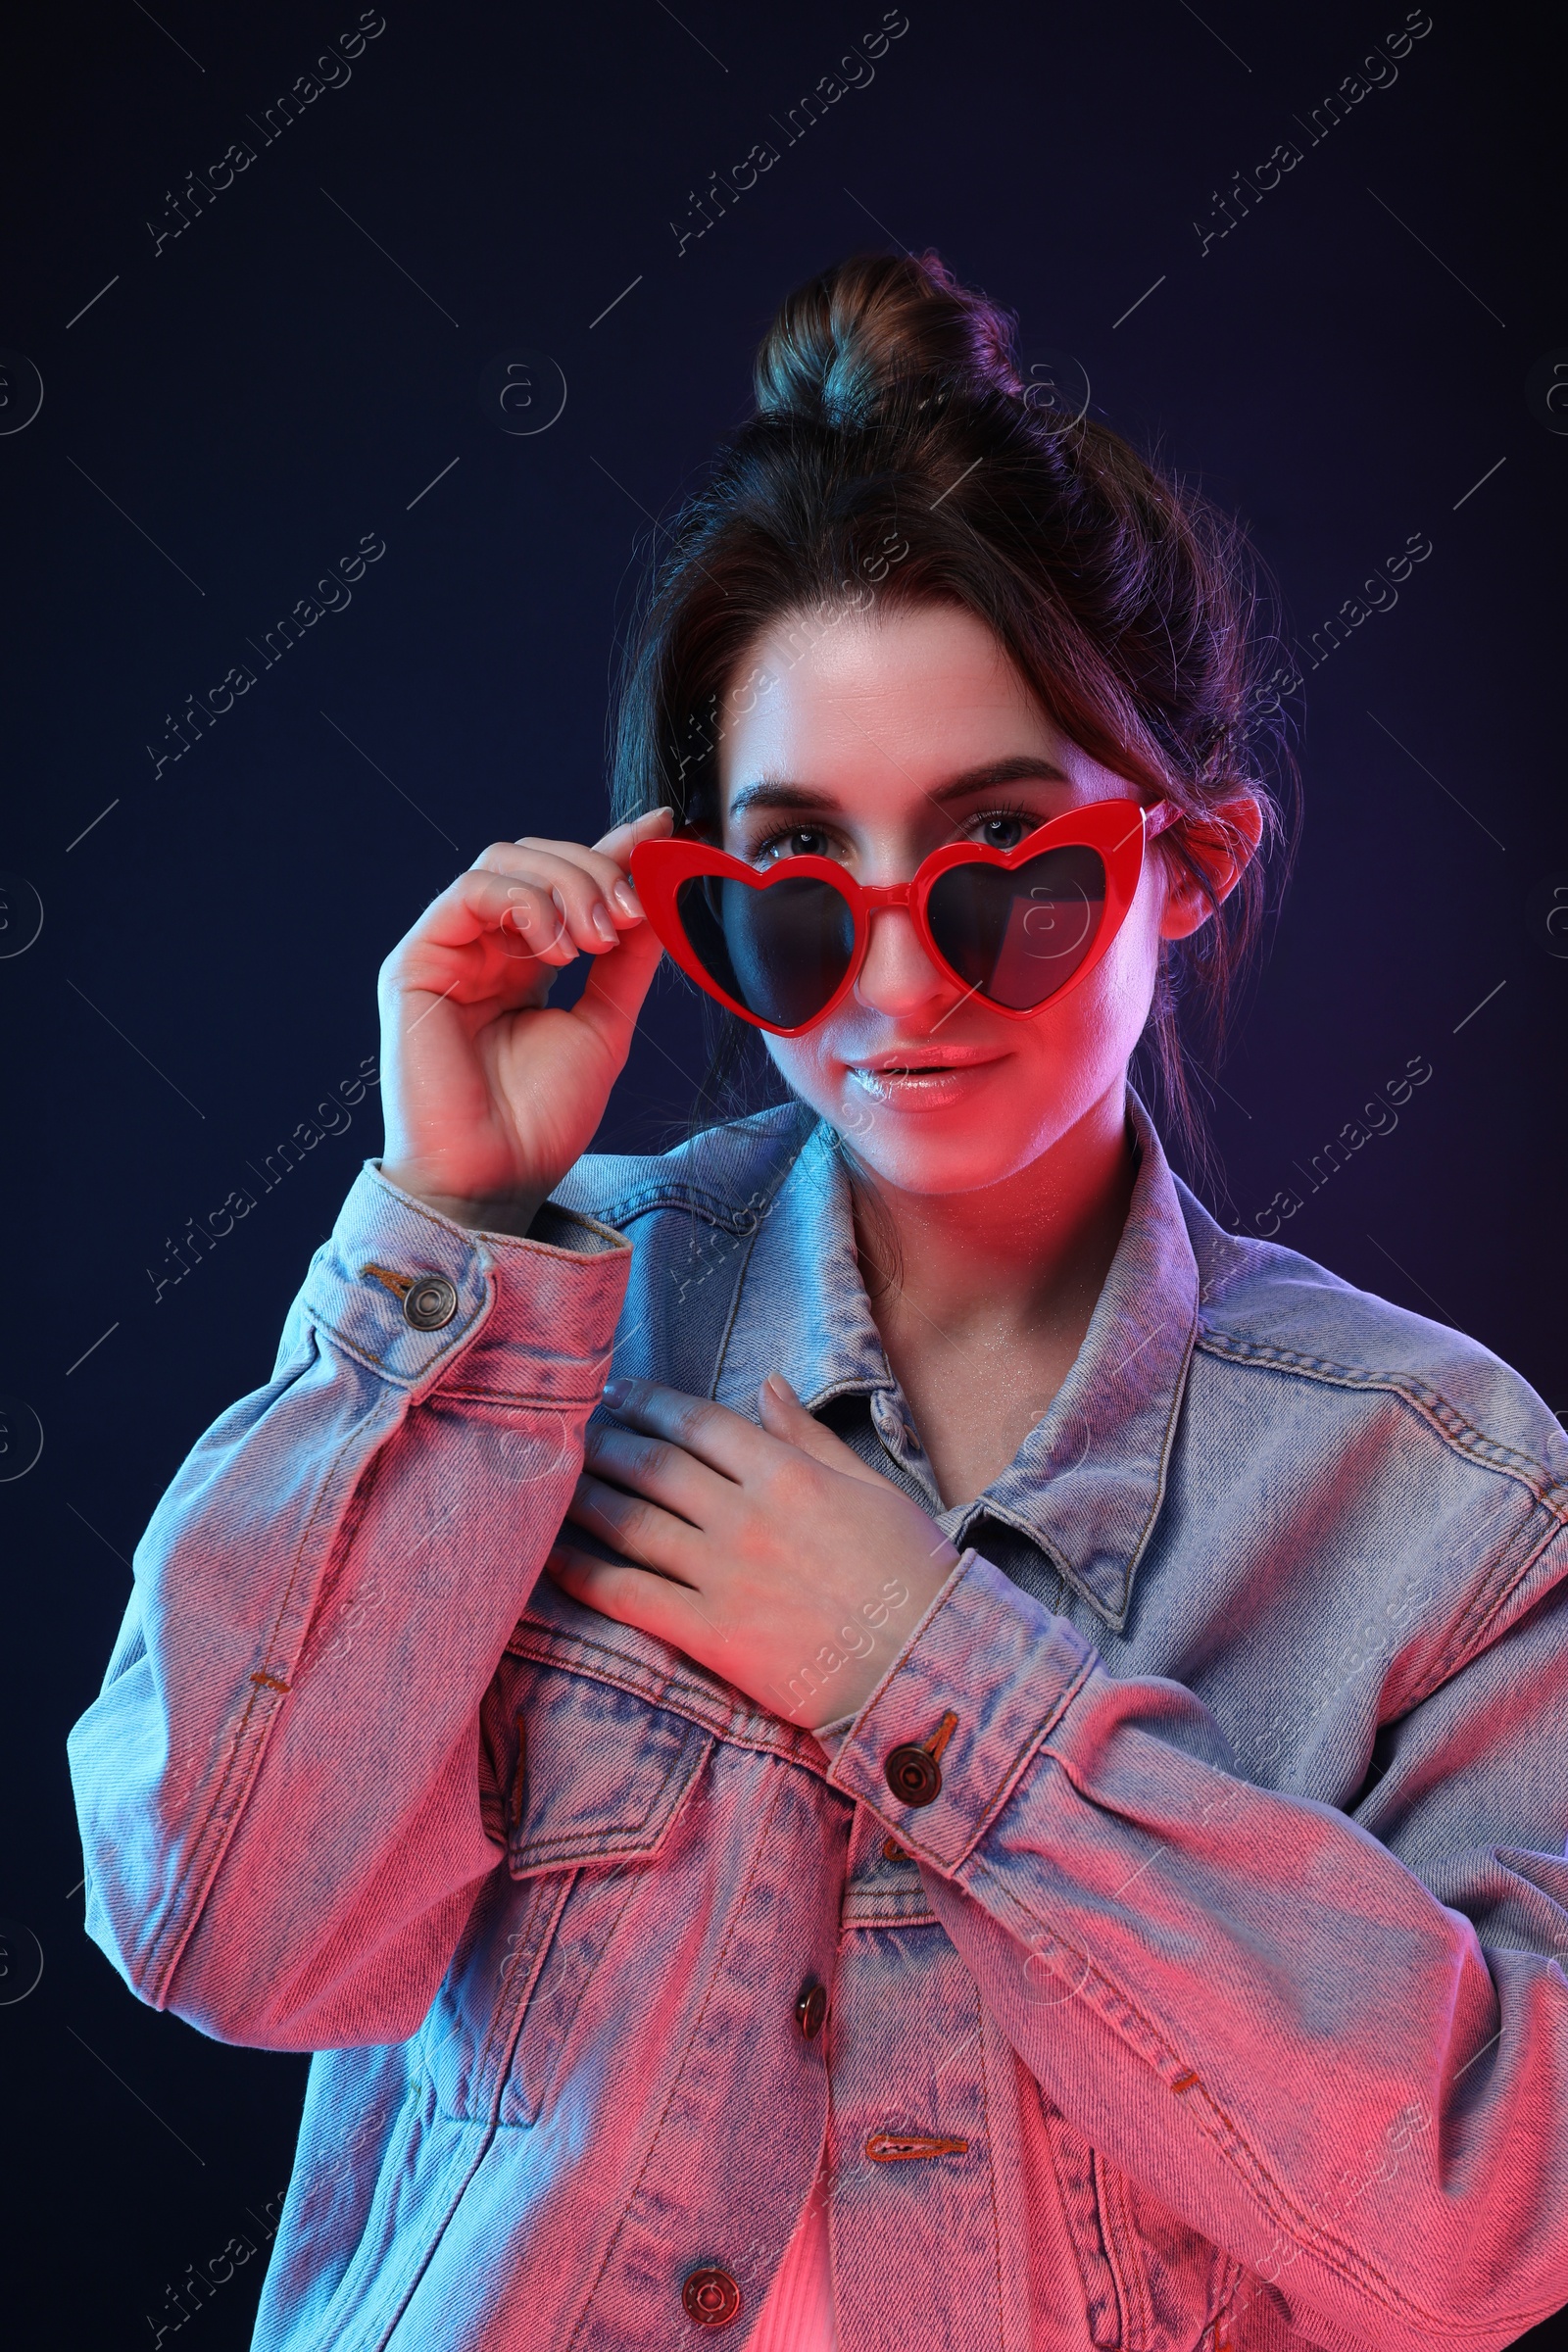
point(781, 945)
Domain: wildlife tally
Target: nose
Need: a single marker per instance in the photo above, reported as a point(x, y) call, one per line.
point(898, 976)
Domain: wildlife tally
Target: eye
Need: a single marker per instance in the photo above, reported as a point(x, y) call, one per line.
point(1004, 828)
point(795, 841)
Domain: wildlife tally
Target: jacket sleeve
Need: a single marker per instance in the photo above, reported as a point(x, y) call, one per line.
point(1338, 2048)
point(279, 1785)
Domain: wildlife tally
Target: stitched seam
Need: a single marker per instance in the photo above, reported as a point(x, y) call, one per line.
point(1468, 1644)
point(470, 1235)
point(422, 2258)
point(990, 2171)
point(866, 1912)
point(358, 2278)
point(759, 1846)
point(1429, 1404)
point(1008, 1780)
point(515, 1994)
point(646, 1201)
point(217, 1825)
point(681, 1699)
point(503, 1244)
point(462, 1333)
point(585, 1973)
point(676, 1696)
point(1177, 1399)
point(679, 1191)
point(1125, 2336)
point(1229, 2140)
point(1070, 2195)
point(1125, 2258)
point(553, 1400)
point(1467, 1636)
point(1228, 2273)
point(732, 1317)
point(629, 1829)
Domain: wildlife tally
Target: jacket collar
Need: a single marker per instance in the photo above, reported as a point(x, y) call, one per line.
point(1087, 1483)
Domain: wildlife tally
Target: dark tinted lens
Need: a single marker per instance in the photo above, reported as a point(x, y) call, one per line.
point(1018, 937)
point(781, 950)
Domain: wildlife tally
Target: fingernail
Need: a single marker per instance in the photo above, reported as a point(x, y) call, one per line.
point(781, 1388)
point(627, 900)
point(604, 924)
point(615, 1393)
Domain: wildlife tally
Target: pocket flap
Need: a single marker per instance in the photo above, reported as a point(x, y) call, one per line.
point(600, 1772)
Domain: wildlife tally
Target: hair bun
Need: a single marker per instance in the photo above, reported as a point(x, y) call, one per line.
point(876, 326)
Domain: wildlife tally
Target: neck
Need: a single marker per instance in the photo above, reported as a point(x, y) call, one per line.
point(1022, 1261)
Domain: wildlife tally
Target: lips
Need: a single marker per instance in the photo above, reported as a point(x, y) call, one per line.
point(923, 1077)
point(922, 1060)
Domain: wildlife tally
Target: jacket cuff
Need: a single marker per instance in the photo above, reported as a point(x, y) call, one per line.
point(407, 1292)
point(1005, 1669)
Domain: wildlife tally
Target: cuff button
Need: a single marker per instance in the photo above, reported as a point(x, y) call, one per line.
point(429, 1303)
point(913, 1775)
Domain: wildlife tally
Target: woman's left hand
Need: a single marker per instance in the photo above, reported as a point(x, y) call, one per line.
point(773, 1555)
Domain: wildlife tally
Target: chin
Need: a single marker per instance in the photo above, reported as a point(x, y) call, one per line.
point(941, 1151)
point(924, 1166)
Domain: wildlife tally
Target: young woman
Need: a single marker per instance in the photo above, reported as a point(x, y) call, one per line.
point(1003, 1783)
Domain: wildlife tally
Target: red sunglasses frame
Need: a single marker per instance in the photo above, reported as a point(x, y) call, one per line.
point(1117, 829)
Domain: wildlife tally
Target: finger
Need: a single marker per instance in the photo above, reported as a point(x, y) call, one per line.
point(726, 1442)
point(514, 899)
point(616, 987)
point(647, 1534)
point(590, 916)
point(610, 876)
point(631, 1595)
point(785, 1416)
point(620, 841)
point(607, 869)
point(664, 1474)
point(474, 941)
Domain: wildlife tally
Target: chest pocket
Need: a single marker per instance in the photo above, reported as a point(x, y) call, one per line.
point(596, 1772)
point(596, 1777)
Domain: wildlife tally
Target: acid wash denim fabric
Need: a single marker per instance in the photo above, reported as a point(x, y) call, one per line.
point(1229, 1957)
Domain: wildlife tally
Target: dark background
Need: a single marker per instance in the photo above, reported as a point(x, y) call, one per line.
point(237, 410)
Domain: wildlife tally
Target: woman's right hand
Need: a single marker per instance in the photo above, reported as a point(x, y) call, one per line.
point(490, 1093)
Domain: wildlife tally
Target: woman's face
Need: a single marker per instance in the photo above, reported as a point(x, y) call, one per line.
point(874, 740)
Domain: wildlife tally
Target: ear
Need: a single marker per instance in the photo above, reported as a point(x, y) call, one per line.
point(1220, 845)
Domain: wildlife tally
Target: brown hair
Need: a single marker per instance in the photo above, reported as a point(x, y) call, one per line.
point(896, 448)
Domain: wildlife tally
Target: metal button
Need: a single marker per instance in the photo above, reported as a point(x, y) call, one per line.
point(712, 2298)
point(810, 2009)
point(429, 1302)
point(893, 1851)
point(913, 1775)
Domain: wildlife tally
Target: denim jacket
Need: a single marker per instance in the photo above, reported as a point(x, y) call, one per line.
point(1215, 2000)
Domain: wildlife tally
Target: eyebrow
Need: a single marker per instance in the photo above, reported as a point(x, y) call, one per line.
point(778, 792)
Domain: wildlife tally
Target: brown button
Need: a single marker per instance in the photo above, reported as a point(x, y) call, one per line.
point(893, 1851)
point(913, 1775)
point(901, 2147)
point(712, 2298)
point(430, 1303)
point(810, 2009)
